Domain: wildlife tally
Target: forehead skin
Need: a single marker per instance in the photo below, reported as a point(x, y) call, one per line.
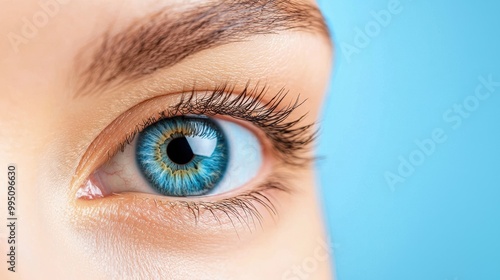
point(44, 130)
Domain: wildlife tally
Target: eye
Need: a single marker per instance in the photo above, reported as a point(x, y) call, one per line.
point(184, 156)
point(221, 153)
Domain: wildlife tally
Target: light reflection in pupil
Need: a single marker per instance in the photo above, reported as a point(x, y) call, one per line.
point(179, 151)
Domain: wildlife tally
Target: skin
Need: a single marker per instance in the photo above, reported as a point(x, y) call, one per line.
point(45, 132)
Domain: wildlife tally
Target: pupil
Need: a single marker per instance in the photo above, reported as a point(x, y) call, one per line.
point(179, 151)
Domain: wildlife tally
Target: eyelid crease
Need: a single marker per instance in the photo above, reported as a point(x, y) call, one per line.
point(288, 139)
point(165, 38)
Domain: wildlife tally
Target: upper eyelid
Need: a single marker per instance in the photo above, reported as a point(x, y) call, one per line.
point(249, 98)
point(270, 115)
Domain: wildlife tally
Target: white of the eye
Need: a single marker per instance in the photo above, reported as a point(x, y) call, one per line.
point(245, 157)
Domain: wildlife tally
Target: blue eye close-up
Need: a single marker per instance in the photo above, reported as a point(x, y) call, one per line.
point(183, 156)
point(196, 155)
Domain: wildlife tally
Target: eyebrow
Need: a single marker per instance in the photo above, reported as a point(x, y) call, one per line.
point(165, 38)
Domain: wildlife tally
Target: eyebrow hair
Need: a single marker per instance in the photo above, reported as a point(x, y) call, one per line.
point(165, 38)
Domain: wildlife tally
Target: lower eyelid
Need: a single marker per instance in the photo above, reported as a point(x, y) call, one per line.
point(145, 218)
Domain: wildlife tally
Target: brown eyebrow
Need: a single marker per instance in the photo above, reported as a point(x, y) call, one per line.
point(165, 38)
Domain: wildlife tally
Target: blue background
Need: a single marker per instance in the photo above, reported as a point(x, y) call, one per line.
point(443, 221)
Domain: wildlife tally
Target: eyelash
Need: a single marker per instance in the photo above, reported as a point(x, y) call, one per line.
point(289, 141)
point(240, 207)
point(287, 138)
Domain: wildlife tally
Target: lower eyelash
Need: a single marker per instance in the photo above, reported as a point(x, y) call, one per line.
point(242, 208)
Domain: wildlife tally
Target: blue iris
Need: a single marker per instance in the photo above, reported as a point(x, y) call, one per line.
point(183, 156)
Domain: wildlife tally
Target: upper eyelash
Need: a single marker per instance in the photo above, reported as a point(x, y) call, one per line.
point(288, 139)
